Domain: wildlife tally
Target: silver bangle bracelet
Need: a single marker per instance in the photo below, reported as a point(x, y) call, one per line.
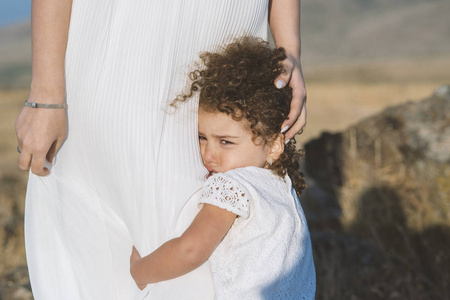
point(44, 105)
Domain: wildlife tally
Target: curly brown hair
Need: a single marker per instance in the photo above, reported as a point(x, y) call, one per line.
point(238, 80)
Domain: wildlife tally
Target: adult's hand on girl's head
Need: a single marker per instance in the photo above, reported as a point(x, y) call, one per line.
point(293, 76)
point(40, 133)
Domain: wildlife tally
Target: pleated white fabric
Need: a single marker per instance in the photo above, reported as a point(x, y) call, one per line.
point(128, 166)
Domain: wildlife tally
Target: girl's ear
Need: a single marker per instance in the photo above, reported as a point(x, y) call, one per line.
point(277, 148)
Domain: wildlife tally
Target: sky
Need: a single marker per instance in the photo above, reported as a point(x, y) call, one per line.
point(14, 11)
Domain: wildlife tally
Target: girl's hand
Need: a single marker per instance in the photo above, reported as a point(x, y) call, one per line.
point(40, 133)
point(134, 263)
point(294, 76)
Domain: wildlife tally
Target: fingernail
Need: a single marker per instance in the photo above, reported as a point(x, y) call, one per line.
point(287, 141)
point(54, 160)
point(279, 84)
point(48, 165)
point(284, 129)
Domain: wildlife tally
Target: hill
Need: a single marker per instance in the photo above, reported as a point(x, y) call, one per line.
point(15, 56)
point(352, 30)
point(334, 33)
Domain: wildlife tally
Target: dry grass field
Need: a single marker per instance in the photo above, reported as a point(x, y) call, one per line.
point(337, 97)
point(343, 94)
point(334, 106)
point(11, 102)
point(12, 184)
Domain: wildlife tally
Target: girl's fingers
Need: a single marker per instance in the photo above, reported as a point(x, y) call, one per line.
point(134, 255)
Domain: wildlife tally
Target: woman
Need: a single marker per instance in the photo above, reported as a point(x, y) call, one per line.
point(117, 66)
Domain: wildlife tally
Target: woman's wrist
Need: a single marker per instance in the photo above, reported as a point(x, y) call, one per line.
point(293, 51)
point(53, 95)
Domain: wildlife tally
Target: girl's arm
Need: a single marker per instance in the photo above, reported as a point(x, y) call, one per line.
point(284, 20)
point(40, 132)
point(186, 253)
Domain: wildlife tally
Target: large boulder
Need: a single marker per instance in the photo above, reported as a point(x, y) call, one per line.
point(403, 153)
point(378, 204)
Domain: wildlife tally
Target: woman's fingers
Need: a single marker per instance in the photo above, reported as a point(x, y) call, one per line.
point(24, 160)
point(33, 157)
point(38, 165)
point(283, 79)
point(298, 126)
point(51, 154)
point(297, 115)
point(36, 162)
point(40, 133)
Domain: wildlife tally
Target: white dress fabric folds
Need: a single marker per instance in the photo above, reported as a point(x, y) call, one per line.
point(130, 163)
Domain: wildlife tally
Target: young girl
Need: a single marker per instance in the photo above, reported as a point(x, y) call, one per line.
point(251, 226)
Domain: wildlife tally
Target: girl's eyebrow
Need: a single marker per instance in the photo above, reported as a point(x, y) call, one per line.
point(225, 136)
point(220, 136)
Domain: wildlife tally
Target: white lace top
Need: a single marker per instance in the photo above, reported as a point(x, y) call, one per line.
point(267, 252)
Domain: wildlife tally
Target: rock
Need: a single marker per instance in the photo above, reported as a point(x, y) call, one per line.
point(404, 148)
point(442, 91)
point(379, 204)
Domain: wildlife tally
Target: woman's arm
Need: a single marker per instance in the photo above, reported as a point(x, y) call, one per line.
point(40, 131)
point(186, 253)
point(284, 20)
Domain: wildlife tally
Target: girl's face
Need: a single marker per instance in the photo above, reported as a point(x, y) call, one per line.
point(227, 144)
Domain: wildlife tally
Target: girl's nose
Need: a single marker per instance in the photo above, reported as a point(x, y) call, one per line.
point(208, 153)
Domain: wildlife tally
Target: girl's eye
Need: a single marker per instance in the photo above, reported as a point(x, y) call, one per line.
point(201, 138)
point(225, 142)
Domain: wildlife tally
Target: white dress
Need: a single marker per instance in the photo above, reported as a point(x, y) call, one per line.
point(128, 166)
point(267, 252)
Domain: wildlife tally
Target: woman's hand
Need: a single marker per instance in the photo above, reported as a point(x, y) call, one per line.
point(294, 77)
point(134, 259)
point(40, 133)
point(284, 20)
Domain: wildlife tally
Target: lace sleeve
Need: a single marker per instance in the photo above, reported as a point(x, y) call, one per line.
point(226, 193)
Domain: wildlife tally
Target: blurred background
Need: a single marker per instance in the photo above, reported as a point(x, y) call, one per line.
point(377, 146)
